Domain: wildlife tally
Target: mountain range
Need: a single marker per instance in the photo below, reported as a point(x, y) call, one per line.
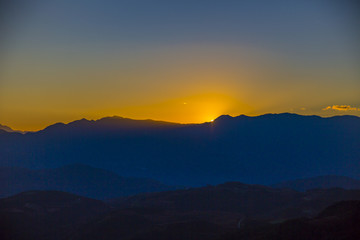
point(231, 210)
point(104, 184)
point(78, 179)
point(331, 181)
point(265, 149)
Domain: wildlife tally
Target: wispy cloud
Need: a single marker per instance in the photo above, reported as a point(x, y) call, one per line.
point(341, 108)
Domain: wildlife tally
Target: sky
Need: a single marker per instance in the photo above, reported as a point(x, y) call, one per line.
point(186, 61)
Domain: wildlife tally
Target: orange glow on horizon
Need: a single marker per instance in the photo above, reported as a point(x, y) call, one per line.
point(190, 109)
point(185, 83)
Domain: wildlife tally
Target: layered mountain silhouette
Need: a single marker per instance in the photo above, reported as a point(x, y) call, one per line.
point(255, 201)
point(331, 181)
point(231, 210)
point(265, 149)
point(77, 178)
point(9, 129)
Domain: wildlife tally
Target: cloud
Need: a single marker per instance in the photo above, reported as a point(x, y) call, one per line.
point(341, 108)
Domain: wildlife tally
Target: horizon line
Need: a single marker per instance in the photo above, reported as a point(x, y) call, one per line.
point(170, 122)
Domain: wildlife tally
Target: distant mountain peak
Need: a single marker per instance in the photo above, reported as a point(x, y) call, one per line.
point(285, 115)
point(113, 117)
point(9, 129)
point(53, 126)
point(223, 118)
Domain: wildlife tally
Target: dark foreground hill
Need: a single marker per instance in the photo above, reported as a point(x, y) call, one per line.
point(78, 179)
point(264, 149)
point(256, 201)
point(320, 182)
point(45, 214)
point(209, 213)
point(340, 221)
point(229, 210)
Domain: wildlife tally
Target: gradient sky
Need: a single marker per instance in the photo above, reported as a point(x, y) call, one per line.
point(181, 61)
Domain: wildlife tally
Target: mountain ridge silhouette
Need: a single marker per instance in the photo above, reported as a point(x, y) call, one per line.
point(263, 149)
point(219, 118)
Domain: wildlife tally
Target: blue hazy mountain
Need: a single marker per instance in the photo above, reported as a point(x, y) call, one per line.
point(264, 149)
point(330, 181)
point(78, 179)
